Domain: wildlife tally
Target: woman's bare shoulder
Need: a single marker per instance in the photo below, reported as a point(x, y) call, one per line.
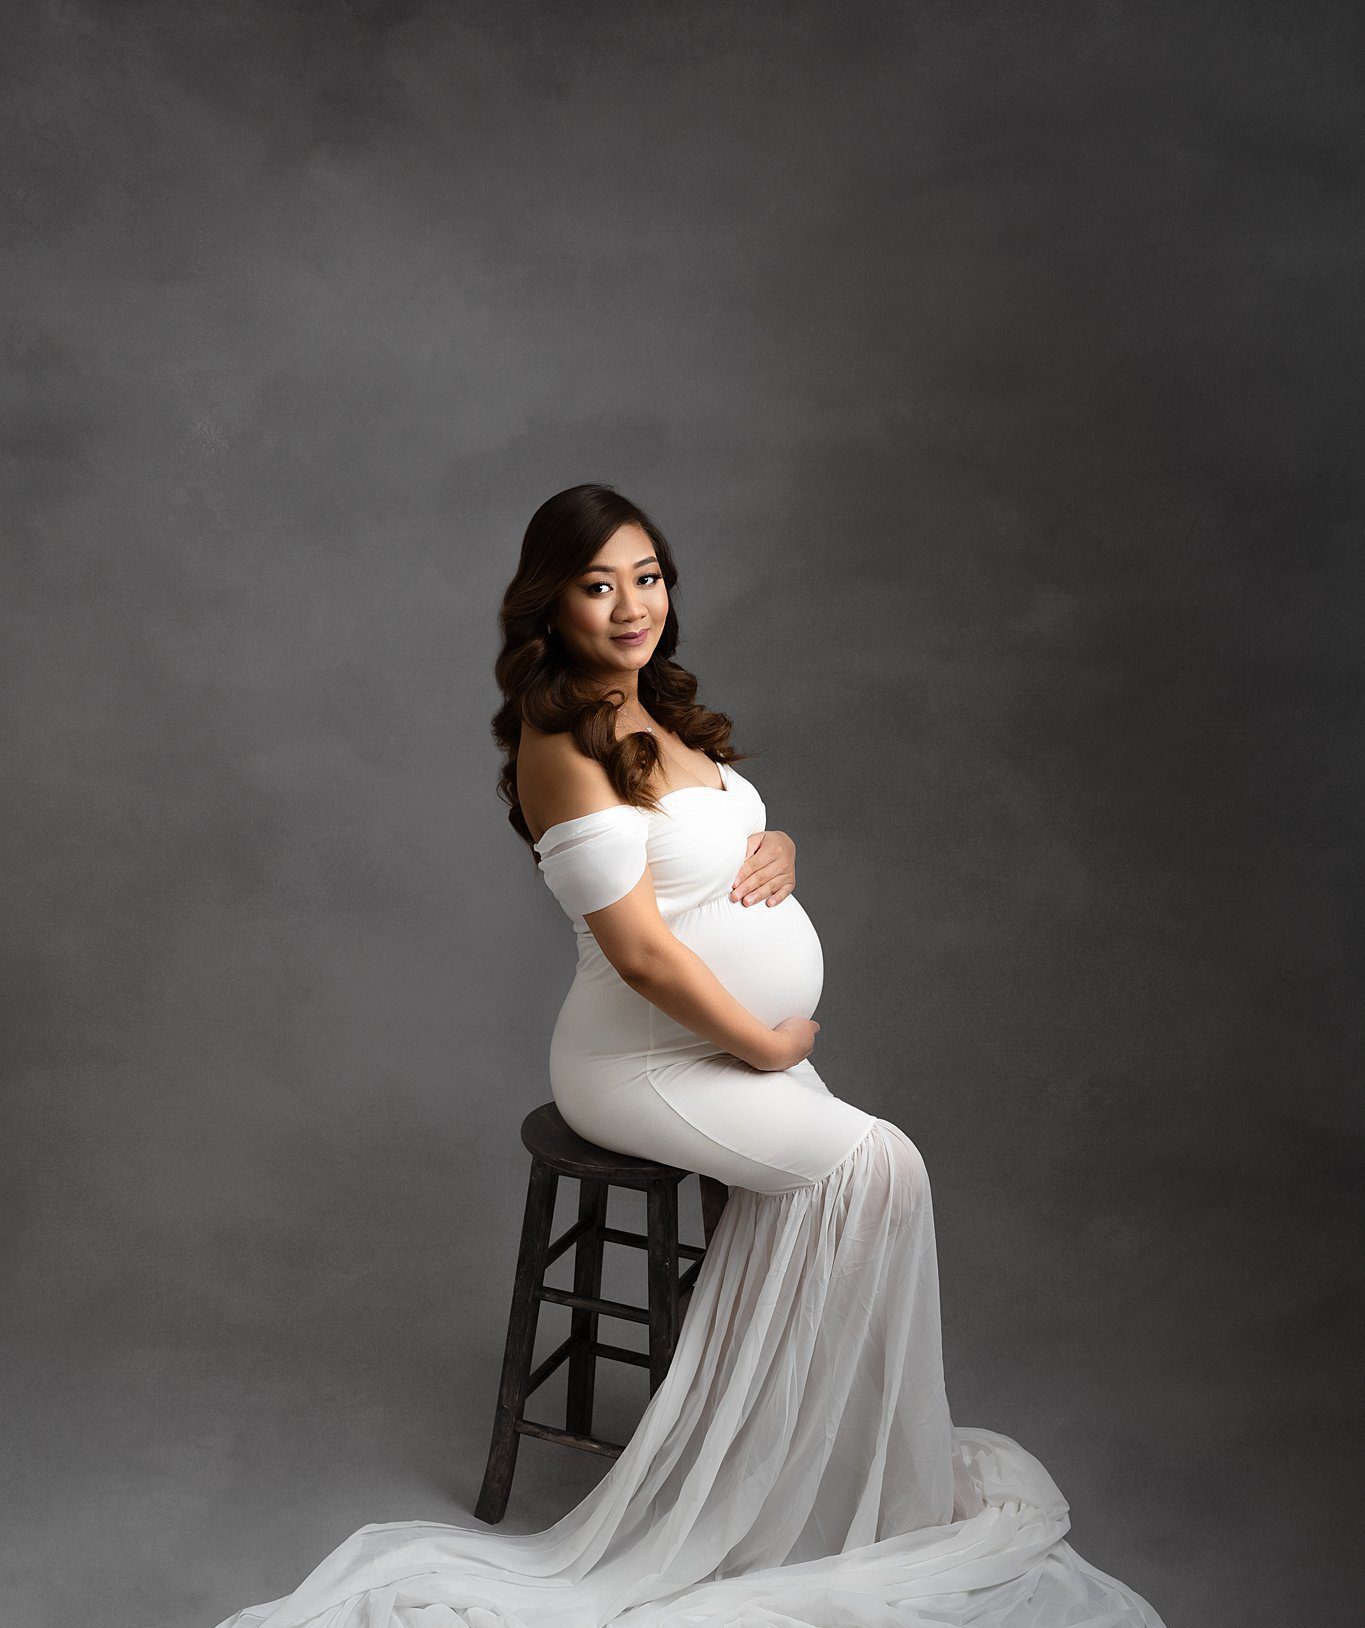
point(557, 780)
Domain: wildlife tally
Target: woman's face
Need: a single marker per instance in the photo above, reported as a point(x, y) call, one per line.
point(619, 596)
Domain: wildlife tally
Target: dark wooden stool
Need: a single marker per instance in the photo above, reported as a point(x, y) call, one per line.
point(557, 1151)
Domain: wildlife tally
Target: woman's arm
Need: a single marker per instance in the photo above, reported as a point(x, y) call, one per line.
point(561, 783)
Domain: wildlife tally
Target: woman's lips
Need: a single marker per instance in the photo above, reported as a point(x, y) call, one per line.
point(630, 638)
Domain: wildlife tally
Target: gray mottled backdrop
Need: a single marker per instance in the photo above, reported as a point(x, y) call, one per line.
point(993, 369)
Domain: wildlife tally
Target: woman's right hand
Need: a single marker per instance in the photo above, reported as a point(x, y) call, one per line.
point(793, 1041)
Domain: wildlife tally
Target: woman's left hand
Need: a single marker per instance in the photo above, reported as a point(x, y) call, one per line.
point(769, 871)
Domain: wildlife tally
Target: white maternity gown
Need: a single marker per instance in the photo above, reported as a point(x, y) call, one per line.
point(798, 1467)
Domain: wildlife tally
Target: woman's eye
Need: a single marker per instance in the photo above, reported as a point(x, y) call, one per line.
point(650, 577)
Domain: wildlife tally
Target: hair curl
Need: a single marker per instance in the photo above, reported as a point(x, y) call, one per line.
point(542, 685)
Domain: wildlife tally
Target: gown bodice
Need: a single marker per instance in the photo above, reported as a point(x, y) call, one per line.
point(693, 844)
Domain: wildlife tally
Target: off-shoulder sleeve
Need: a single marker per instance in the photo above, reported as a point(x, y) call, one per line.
point(595, 859)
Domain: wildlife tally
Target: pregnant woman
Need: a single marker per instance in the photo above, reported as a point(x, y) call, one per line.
point(798, 1467)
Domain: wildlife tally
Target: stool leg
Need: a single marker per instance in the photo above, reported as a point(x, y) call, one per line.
point(587, 1280)
point(521, 1339)
point(714, 1195)
point(663, 1278)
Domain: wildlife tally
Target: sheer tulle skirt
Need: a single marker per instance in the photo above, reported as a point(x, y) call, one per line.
point(798, 1467)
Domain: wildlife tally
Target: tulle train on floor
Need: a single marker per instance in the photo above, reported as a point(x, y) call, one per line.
point(797, 1468)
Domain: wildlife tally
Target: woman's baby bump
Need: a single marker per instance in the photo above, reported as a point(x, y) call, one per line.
point(768, 957)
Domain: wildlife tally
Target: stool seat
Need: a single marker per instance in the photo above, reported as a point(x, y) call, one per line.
point(545, 1135)
point(557, 1151)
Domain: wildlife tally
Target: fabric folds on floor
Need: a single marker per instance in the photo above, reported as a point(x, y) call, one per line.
point(797, 1468)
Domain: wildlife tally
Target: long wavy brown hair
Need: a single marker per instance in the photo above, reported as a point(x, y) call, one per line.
point(543, 686)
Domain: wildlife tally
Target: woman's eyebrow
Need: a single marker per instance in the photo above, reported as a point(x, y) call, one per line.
point(649, 559)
